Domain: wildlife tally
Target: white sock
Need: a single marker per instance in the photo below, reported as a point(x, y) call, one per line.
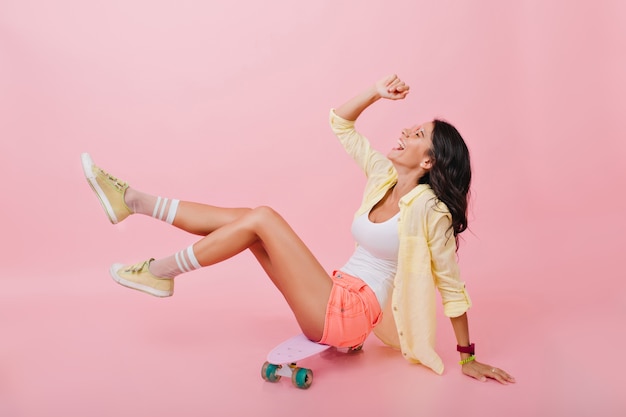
point(165, 209)
point(173, 265)
point(158, 207)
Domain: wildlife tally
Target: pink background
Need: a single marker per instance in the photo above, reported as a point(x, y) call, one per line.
point(227, 103)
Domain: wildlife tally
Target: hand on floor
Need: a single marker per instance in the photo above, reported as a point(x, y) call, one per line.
point(482, 371)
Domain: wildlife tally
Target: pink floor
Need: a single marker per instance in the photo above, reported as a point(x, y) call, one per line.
point(227, 103)
point(116, 352)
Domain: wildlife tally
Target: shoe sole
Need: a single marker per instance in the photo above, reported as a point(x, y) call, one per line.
point(91, 179)
point(135, 286)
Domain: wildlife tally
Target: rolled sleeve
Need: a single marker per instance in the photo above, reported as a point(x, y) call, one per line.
point(358, 146)
point(445, 269)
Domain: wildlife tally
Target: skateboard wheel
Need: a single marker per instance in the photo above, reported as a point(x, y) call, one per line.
point(268, 372)
point(302, 377)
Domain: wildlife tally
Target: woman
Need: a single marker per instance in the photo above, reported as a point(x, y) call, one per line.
point(414, 207)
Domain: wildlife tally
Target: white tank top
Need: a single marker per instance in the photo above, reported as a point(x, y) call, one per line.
point(375, 258)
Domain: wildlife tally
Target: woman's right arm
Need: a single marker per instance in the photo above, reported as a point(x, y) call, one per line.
point(390, 87)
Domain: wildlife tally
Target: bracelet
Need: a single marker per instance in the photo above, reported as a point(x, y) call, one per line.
point(467, 360)
point(466, 349)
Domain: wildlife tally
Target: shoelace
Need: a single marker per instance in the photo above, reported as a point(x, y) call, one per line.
point(138, 267)
point(116, 182)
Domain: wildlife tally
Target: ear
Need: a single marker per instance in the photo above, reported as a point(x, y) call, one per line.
point(427, 163)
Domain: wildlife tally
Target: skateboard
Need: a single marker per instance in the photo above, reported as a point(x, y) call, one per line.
point(281, 361)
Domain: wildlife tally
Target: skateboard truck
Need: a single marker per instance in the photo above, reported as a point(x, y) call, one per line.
point(300, 377)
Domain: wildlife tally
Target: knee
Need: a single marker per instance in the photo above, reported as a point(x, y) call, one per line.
point(264, 213)
point(263, 216)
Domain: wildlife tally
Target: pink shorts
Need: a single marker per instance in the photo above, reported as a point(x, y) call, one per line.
point(352, 312)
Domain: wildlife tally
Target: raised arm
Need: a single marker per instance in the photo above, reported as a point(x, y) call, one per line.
point(390, 87)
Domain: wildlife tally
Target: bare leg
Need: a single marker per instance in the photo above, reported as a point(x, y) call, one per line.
point(196, 218)
point(202, 219)
point(290, 265)
point(288, 262)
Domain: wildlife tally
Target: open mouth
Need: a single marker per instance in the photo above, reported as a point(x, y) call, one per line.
point(400, 146)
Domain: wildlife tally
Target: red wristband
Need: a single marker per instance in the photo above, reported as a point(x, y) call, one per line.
point(466, 349)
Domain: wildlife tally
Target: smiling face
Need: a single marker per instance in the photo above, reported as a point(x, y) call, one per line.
point(414, 148)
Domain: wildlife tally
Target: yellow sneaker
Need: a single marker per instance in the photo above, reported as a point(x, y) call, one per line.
point(140, 278)
point(110, 190)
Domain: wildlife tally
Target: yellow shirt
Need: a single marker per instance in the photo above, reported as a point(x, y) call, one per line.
point(426, 256)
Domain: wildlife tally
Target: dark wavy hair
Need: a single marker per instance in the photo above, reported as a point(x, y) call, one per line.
point(451, 173)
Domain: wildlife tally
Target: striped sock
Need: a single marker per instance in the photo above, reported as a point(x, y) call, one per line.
point(165, 209)
point(173, 265)
point(158, 207)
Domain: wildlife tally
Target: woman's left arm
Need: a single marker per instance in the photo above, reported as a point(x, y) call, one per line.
point(472, 367)
point(455, 299)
